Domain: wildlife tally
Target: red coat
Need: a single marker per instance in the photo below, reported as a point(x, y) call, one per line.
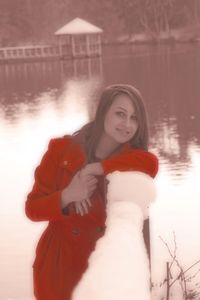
point(65, 245)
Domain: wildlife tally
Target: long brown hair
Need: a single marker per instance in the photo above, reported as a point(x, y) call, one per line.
point(90, 134)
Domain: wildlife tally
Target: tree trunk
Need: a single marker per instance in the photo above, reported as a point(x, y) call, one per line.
point(168, 277)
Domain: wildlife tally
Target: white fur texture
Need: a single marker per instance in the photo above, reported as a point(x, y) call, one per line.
point(119, 267)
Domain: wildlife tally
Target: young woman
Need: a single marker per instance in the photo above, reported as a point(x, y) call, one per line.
point(70, 187)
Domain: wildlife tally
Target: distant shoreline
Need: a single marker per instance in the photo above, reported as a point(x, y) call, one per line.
point(182, 35)
point(189, 34)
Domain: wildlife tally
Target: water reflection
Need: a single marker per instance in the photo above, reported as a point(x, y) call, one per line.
point(173, 150)
point(24, 82)
point(25, 88)
point(176, 210)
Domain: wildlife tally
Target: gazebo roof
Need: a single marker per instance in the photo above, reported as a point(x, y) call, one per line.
point(78, 26)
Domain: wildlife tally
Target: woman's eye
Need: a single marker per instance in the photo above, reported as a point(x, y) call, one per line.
point(134, 118)
point(120, 113)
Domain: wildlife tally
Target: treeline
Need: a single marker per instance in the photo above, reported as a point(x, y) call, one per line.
point(35, 21)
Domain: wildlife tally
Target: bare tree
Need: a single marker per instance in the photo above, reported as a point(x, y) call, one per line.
point(182, 278)
point(155, 16)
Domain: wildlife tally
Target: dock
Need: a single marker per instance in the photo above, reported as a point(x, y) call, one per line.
point(35, 53)
point(77, 39)
point(28, 53)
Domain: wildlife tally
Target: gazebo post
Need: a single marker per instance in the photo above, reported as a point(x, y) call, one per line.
point(73, 46)
point(87, 45)
point(99, 44)
point(60, 45)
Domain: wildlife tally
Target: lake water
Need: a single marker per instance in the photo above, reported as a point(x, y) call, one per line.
point(42, 100)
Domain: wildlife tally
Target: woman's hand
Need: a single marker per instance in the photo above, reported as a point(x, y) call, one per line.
point(89, 171)
point(80, 188)
point(82, 207)
point(94, 169)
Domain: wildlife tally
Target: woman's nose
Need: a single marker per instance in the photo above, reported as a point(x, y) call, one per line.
point(128, 123)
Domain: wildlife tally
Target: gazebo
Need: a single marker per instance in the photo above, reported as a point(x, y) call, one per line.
point(79, 38)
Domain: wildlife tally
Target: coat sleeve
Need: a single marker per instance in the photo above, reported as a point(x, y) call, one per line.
point(132, 160)
point(44, 201)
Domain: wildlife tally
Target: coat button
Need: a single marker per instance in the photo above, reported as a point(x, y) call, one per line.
point(65, 162)
point(75, 231)
point(100, 229)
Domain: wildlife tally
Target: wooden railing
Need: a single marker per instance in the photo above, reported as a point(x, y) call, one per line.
point(28, 52)
point(48, 51)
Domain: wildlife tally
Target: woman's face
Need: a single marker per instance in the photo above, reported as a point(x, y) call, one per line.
point(120, 124)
